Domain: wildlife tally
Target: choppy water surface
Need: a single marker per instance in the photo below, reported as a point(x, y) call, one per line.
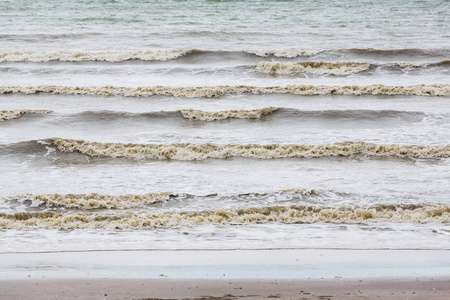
point(224, 125)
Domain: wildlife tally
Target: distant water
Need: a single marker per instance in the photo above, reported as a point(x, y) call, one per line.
point(224, 124)
point(223, 25)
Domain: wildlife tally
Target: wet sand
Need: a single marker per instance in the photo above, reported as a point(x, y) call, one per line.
point(165, 288)
point(226, 274)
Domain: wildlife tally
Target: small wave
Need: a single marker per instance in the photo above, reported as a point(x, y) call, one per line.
point(336, 68)
point(443, 63)
point(200, 115)
point(190, 152)
point(96, 201)
point(216, 91)
point(14, 114)
point(281, 113)
point(91, 56)
point(281, 53)
point(253, 215)
point(360, 52)
point(92, 201)
point(104, 116)
point(411, 65)
point(370, 115)
point(218, 55)
point(395, 52)
point(318, 68)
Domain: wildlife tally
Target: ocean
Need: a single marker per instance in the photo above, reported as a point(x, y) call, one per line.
point(201, 124)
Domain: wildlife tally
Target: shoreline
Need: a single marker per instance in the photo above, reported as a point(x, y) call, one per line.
point(226, 289)
point(226, 274)
point(235, 264)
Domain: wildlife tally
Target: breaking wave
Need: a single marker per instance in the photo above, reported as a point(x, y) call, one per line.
point(281, 53)
point(14, 114)
point(91, 56)
point(189, 152)
point(200, 115)
point(318, 68)
point(412, 52)
point(211, 116)
point(208, 55)
point(337, 68)
point(115, 56)
point(92, 201)
point(253, 215)
point(216, 91)
point(96, 201)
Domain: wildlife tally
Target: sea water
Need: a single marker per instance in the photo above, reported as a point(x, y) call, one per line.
point(224, 125)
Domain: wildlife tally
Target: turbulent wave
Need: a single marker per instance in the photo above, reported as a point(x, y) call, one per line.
point(318, 68)
point(96, 201)
point(292, 113)
point(336, 68)
point(211, 116)
point(216, 91)
point(208, 55)
point(281, 53)
point(270, 214)
point(92, 201)
point(412, 52)
point(200, 115)
point(204, 151)
point(108, 56)
point(14, 114)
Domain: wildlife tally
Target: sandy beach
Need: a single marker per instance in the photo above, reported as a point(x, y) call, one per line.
point(227, 274)
point(437, 289)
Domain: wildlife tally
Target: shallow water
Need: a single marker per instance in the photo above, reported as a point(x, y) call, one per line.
point(240, 75)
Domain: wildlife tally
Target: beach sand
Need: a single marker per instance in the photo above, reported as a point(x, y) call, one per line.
point(164, 288)
point(227, 274)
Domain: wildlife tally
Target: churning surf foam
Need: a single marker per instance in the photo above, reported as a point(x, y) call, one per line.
point(97, 201)
point(208, 150)
point(281, 53)
point(91, 56)
point(216, 91)
point(318, 68)
point(252, 215)
point(92, 201)
point(14, 114)
point(200, 115)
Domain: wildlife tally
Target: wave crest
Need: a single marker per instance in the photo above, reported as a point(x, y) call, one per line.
point(94, 200)
point(200, 115)
point(99, 201)
point(108, 56)
point(253, 215)
point(14, 114)
point(216, 91)
point(281, 53)
point(190, 152)
point(318, 68)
